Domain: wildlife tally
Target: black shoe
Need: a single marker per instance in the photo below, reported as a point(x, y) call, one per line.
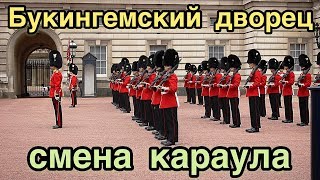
point(160, 137)
point(302, 124)
point(252, 130)
point(56, 127)
point(167, 143)
point(223, 122)
point(139, 121)
point(280, 106)
point(234, 126)
point(135, 118)
point(204, 117)
point(155, 132)
point(287, 121)
point(274, 118)
point(71, 106)
point(149, 128)
point(143, 124)
point(214, 119)
point(186, 102)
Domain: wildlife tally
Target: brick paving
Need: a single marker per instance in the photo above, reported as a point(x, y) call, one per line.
point(26, 123)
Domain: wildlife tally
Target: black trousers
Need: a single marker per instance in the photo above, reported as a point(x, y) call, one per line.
point(139, 114)
point(113, 99)
point(200, 97)
point(304, 109)
point(158, 121)
point(224, 104)
point(215, 105)
point(125, 102)
point(188, 95)
point(234, 103)
point(147, 112)
point(207, 106)
point(74, 101)
point(274, 103)
point(171, 120)
point(135, 106)
point(142, 111)
point(288, 107)
point(192, 94)
point(262, 105)
point(116, 95)
point(57, 111)
point(254, 111)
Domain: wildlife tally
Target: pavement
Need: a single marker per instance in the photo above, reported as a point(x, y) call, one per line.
point(26, 123)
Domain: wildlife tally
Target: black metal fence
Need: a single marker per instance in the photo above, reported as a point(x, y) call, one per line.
point(37, 77)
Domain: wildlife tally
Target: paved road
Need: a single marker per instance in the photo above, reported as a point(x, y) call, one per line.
point(26, 123)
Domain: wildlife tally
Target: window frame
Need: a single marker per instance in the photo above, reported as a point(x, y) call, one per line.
point(219, 53)
point(297, 52)
point(98, 59)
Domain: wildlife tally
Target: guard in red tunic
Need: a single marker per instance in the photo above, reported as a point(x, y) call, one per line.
point(281, 85)
point(198, 84)
point(205, 90)
point(287, 92)
point(317, 78)
point(73, 84)
point(187, 78)
point(253, 90)
point(146, 94)
point(142, 65)
point(214, 65)
point(223, 90)
point(192, 84)
point(132, 91)
point(233, 89)
point(124, 92)
point(303, 83)
point(55, 86)
point(169, 102)
point(112, 84)
point(274, 88)
point(160, 132)
point(262, 88)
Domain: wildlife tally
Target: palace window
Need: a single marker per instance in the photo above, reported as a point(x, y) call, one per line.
point(100, 52)
point(216, 51)
point(295, 51)
point(155, 48)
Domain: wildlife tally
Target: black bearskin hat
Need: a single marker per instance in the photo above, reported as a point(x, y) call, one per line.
point(55, 59)
point(273, 63)
point(117, 67)
point(213, 63)
point(134, 66)
point(73, 68)
point(200, 68)
point(127, 68)
point(224, 64)
point(194, 68)
point(124, 61)
point(170, 58)
point(254, 56)
point(150, 61)
point(281, 64)
point(187, 66)
point(318, 59)
point(234, 61)
point(114, 67)
point(262, 64)
point(204, 65)
point(157, 59)
point(288, 61)
point(304, 61)
point(142, 63)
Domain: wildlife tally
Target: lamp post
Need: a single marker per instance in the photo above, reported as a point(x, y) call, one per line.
point(315, 123)
point(73, 47)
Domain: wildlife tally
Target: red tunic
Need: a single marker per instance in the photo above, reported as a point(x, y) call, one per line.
point(192, 84)
point(276, 88)
point(55, 84)
point(214, 89)
point(133, 92)
point(254, 89)
point(169, 100)
point(146, 93)
point(223, 91)
point(200, 79)
point(73, 82)
point(233, 90)
point(263, 83)
point(303, 90)
point(186, 84)
point(123, 85)
point(205, 89)
point(287, 87)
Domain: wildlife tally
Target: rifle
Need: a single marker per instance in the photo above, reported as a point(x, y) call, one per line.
point(147, 76)
point(224, 76)
point(286, 74)
point(251, 74)
point(158, 77)
point(271, 79)
point(317, 78)
point(302, 76)
point(230, 79)
point(168, 73)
